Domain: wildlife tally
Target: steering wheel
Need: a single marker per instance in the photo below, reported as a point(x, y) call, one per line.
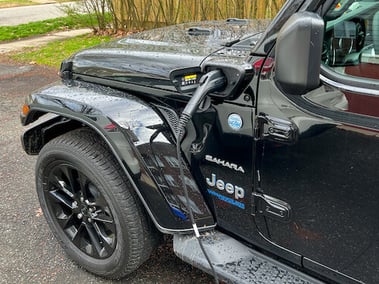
point(360, 28)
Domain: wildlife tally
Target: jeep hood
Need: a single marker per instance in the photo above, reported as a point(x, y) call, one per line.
point(146, 57)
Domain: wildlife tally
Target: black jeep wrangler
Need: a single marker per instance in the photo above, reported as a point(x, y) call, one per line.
point(258, 151)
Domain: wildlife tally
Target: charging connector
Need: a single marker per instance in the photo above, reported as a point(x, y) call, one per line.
point(210, 82)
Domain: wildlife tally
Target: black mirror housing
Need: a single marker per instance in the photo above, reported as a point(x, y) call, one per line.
point(298, 53)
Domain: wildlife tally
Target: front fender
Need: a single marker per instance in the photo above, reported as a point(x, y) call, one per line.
point(137, 135)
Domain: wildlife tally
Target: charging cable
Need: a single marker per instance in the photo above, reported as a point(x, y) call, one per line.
point(210, 82)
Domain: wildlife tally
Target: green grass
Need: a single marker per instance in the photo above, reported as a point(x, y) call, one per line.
point(18, 3)
point(14, 3)
point(53, 53)
point(43, 27)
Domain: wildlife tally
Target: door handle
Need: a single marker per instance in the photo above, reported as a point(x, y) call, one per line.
point(271, 207)
point(276, 129)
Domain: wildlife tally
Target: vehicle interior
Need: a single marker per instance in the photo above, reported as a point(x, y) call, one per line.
point(351, 43)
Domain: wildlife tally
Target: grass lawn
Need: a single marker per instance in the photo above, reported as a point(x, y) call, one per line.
point(15, 3)
point(53, 53)
point(43, 27)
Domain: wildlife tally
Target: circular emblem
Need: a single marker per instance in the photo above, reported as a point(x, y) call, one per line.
point(235, 121)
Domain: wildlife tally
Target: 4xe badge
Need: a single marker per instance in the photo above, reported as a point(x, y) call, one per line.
point(234, 190)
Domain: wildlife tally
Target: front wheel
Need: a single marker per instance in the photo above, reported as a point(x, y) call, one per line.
point(90, 206)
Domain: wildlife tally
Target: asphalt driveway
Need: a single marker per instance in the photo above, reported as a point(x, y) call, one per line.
point(29, 252)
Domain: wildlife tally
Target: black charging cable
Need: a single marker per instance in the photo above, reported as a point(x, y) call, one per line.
point(210, 82)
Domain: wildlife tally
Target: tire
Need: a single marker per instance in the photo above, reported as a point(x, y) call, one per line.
point(90, 206)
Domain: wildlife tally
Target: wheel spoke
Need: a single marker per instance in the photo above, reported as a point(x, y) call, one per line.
point(106, 240)
point(65, 220)
point(102, 217)
point(70, 176)
point(62, 199)
point(94, 240)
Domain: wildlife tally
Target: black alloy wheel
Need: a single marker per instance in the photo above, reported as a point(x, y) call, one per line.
point(90, 206)
point(80, 210)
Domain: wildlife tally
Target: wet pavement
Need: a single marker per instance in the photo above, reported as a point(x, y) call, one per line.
point(29, 252)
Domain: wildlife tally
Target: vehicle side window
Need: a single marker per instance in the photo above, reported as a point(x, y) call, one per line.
point(351, 42)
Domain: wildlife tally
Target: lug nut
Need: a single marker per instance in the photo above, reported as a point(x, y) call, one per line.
point(80, 215)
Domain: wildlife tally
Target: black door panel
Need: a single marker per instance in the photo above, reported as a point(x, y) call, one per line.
point(329, 177)
point(330, 180)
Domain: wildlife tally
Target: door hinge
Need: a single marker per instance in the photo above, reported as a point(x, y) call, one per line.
point(271, 207)
point(275, 129)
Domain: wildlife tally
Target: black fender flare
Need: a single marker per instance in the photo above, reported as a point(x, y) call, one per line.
point(136, 134)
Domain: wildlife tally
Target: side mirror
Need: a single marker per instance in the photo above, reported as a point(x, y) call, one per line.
point(298, 53)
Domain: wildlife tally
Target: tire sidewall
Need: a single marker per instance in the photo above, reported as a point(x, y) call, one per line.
point(59, 154)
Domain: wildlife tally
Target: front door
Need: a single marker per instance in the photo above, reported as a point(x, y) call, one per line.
point(328, 177)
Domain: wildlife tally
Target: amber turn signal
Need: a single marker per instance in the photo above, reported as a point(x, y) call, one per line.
point(25, 109)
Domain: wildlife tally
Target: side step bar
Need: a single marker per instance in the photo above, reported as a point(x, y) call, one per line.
point(234, 262)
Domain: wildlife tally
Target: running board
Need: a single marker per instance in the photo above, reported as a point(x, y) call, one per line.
point(234, 262)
